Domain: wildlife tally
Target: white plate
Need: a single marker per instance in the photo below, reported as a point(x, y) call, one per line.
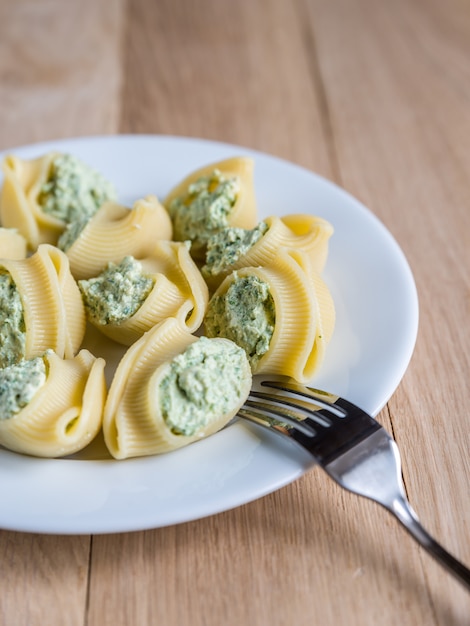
point(377, 320)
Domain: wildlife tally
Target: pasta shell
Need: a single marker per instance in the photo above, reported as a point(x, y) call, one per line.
point(179, 291)
point(12, 244)
point(298, 232)
point(304, 315)
point(133, 424)
point(243, 213)
point(19, 207)
point(116, 231)
point(52, 305)
point(65, 414)
point(79, 192)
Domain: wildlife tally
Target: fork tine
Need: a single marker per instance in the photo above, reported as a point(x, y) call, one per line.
point(336, 405)
point(276, 413)
point(262, 419)
point(323, 399)
point(304, 408)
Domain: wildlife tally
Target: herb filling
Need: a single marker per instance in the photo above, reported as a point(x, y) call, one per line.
point(205, 208)
point(73, 190)
point(117, 293)
point(245, 313)
point(227, 246)
point(71, 233)
point(19, 384)
point(204, 383)
point(12, 326)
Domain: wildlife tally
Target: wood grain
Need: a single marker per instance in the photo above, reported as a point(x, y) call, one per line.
point(60, 69)
point(372, 95)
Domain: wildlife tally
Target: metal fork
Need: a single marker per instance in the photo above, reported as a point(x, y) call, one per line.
point(352, 448)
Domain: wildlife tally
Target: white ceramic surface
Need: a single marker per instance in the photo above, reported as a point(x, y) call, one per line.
point(377, 321)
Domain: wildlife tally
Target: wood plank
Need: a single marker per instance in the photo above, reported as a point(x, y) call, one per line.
point(400, 161)
point(59, 77)
point(261, 565)
point(230, 71)
point(60, 72)
point(43, 578)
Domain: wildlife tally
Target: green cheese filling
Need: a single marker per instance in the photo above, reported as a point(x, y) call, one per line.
point(71, 233)
point(73, 190)
point(245, 313)
point(204, 383)
point(205, 208)
point(18, 385)
point(230, 244)
point(117, 293)
point(12, 325)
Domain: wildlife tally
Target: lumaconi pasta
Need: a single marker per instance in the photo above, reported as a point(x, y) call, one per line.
point(65, 414)
point(23, 186)
point(116, 231)
point(304, 315)
point(134, 423)
point(213, 197)
point(18, 203)
point(12, 244)
point(178, 291)
point(138, 275)
point(54, 316)
point(298, 232)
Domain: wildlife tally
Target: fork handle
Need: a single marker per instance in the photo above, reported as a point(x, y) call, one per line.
point(404, 513)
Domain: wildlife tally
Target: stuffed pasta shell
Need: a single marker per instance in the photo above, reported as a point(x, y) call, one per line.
point(281, 314)
point(12, 244)
point(41, 196)
point(171, 389)
point(210, 199)
point(130, 297)
point(233, 248)
point(40, 307)
point(51, 407)
point(112, 233)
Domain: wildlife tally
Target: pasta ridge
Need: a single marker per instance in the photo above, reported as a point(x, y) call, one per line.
point(116, 231)
point(296, 317)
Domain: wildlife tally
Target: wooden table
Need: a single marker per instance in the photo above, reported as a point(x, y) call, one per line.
point(373, 95)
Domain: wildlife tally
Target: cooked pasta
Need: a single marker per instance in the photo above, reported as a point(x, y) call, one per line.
point(232, 249)
point(134, 274)
point(63, 412)
point(172, 389)
point(211, 198)
point(129, 298)
point(112, 233)
point(40, 196)
point(282, 314)
point(51, 314)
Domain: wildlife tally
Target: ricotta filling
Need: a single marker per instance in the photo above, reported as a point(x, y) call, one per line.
point(205, 208)
point(71, 233)
point(117, 293)
point(73, 190)
point(12, 325)
point(230, 244)
point(19, 383)
point(204, 383)
point(245, 313)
